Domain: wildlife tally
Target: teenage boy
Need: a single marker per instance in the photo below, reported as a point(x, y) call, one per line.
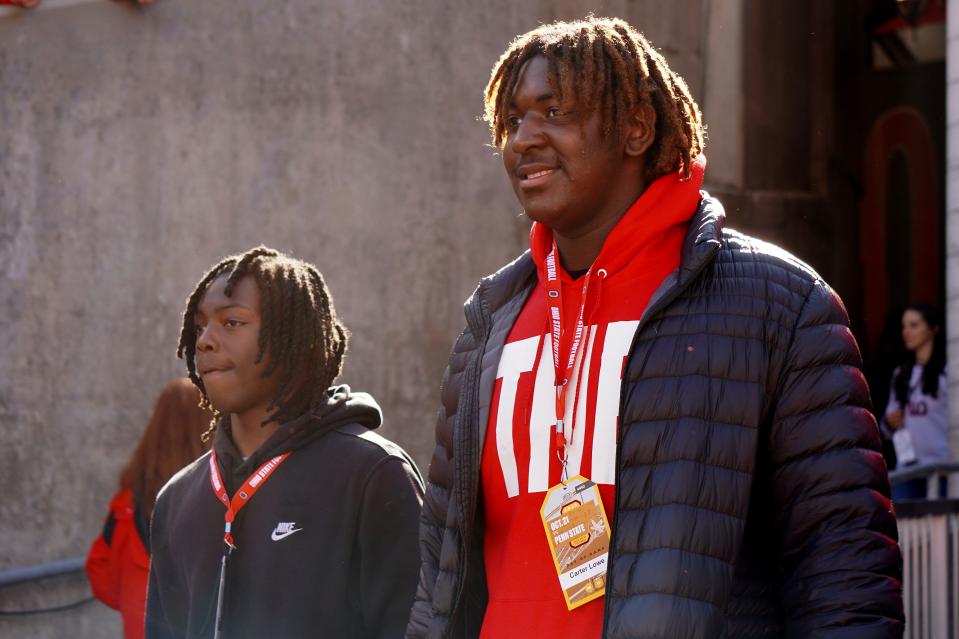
point(653, 426)
point(301, 522)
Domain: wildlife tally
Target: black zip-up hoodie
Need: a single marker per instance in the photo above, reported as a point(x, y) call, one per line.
point(326, 547)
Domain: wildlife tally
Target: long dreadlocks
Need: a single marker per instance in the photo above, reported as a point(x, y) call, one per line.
point(299, 329)
point(604, 63)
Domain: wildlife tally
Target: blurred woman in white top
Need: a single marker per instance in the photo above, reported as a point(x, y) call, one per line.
point(917, 414)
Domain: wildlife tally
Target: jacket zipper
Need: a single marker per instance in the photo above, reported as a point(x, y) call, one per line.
point(668, 298)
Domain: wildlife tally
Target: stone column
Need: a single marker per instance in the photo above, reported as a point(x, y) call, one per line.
point(952, 227)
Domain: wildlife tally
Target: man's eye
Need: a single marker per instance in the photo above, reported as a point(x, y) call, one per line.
point(552, 112)
point(513, 121)
point(233, 323)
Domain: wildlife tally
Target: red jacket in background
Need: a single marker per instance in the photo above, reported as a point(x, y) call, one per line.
point(118, 564)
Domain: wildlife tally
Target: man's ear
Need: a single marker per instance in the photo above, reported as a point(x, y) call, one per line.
point(640, 130)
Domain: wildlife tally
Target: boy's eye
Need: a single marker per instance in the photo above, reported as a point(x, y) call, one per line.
point(552, 112)
point(233, 323)
point(513, 121)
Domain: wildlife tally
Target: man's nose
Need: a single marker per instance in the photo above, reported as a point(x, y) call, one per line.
point(529, 135)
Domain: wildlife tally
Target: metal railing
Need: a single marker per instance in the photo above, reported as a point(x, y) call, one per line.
point(929, 539)
point(41, 571)
point(932, 473)
point(19, 576)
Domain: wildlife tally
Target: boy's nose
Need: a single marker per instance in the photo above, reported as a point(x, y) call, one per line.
point(204, 340)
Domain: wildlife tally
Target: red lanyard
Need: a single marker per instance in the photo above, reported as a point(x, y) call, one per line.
point(554, 306)
point(242, 496)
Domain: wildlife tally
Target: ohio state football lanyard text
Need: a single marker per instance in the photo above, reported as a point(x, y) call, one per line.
point(554, 306)
point(242, 496)
point(240, 499)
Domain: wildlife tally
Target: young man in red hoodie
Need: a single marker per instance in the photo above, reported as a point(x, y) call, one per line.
point(652, 426)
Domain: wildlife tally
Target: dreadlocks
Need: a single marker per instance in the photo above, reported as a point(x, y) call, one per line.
point(604, 63)
point(305, 340)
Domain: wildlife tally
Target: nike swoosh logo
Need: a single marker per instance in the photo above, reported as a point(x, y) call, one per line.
point(278, 536)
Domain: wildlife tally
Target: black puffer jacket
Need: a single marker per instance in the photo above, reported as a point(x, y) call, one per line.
point(751, 497)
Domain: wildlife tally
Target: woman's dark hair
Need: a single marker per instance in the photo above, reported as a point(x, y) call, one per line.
point(936, 364)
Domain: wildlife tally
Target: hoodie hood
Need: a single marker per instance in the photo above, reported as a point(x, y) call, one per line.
point(667, 202)
point(342, 407)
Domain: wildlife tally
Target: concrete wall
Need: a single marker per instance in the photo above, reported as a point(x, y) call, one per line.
point(137, 146)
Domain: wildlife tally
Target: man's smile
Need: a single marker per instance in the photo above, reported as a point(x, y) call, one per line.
point(532, 175)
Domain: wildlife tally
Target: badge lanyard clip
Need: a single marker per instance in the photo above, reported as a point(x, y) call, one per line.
point(561, 452)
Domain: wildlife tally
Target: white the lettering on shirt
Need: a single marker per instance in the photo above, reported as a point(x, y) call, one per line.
point(541, 420)
point(518, 358)
point(619, 337)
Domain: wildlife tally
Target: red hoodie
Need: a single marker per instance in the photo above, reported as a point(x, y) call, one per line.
point(519, 457)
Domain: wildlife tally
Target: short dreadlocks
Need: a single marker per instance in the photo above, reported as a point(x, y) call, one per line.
point(305, 340)
point(604, 63)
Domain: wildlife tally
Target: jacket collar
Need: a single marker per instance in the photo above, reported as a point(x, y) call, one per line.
point(496, 289)
point(702, 242)
point(703, 239)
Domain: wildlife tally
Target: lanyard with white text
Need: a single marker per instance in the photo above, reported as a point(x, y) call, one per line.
point(554, 304)
point(240, 499)
point(242, 496)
